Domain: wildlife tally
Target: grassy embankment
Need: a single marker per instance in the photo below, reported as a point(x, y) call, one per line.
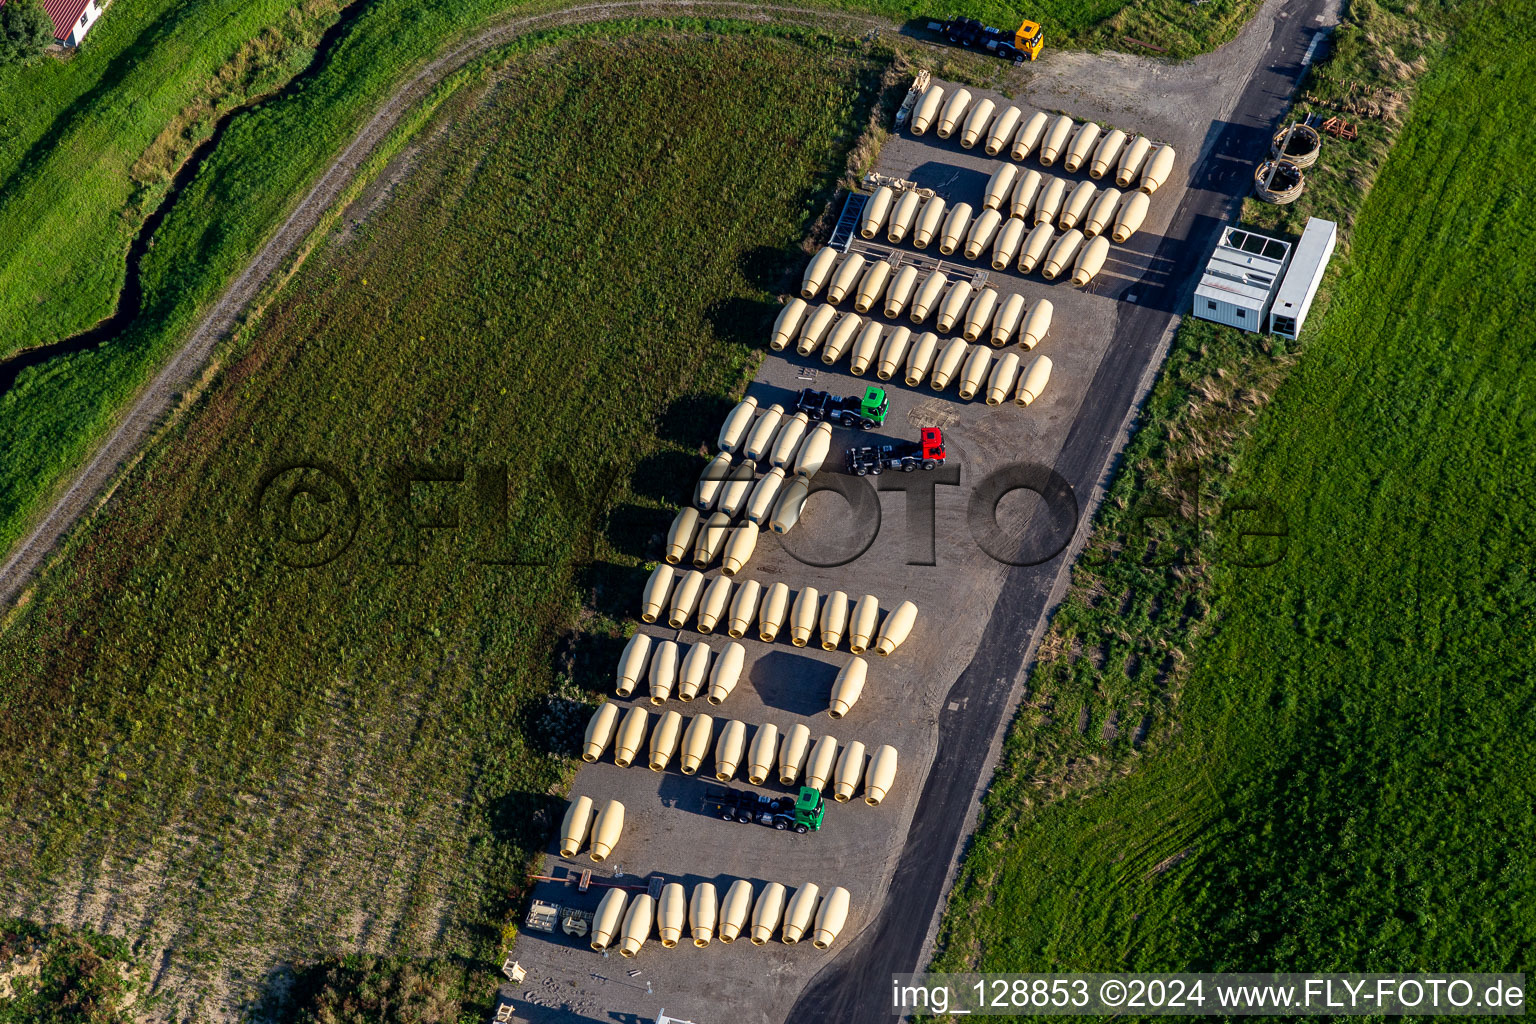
point(87, 148)
point(1335, 769)
point(246, 761)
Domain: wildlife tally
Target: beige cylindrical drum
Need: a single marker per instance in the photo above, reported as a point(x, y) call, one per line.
point(743, 608)
point(813, 450)
point(1007, 319)
point(1128, 221)
point(574, 829)
point(802, 620)
point(792, 751)
point(605, 923)
point(876, 208)
point(892, 351)
point(713, 478)
point(834, 620)
point(696, 740)
point(692, 673)
point(1131, 159)
point(1003, 375)
point(862, 623)
point(845, 277)
point(766, 915)
point(629, 737)
point(948, 364)
point(953, 307)
point(954, 110)
point(830, 918)
point(632, 663)
point(839, 339)
point(1090, 261)
point(1076, 206)
point(928, 221)
point(664, 740)
point(979, 314)
point(657, 589)
point(849, 772)
point(1061, 255)
point(663, 677)
point(927, 296)
point(685, 598)
point(979, 238)
point(798, 913)
point(1049, 200)
point(600, 730)
point(896, 628)
point(871, 285)
point(817, 272)
point(785, 327)
point(726, 673)
point(738, 420)
point(771, 617)
point(1036, 324)
point(1082, 147)
point(1055, 140)
point(1001, 132)
point(881, 773)
point(864, 348)
point(765, 744)
point(1025, 192)
point(764, 493)
point(1029, 134)
point(927, 109)
point(680, 535)
point(1106, 153)
point(999, 186)
point(1035, 379)
point(704, 910)
point(955, 226)
point(815, 329)
point(672, 915)
point(818, 768)
point(734, 909)
point(921, 358)
point(1159, 166)
point(847, 687)
point(903, 216)
point(637, 925)
point(728, 750)
point(1036, 244)
point(1102, 214)
point(900, 292)
point(791, 503)
point(606, 829)
point(974, 373)
point(1007, 245)
point(976, 122)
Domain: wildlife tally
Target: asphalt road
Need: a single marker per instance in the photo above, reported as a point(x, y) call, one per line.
point(854, 987)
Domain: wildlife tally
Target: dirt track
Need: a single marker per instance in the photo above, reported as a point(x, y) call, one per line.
point(121, 447)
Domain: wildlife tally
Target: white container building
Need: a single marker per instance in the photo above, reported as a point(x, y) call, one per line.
point(1299, 287)
point(1240, 279)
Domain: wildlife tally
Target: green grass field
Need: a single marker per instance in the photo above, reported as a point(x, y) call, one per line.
point(247, 761)
point(1337, 771)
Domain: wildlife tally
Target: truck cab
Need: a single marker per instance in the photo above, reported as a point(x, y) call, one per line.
point(1029, 40)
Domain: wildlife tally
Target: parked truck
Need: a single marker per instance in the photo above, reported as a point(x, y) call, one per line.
point(925, 453)
point(861, 412)
point(801, 813)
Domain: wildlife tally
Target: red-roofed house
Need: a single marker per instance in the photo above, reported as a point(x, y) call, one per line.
point(72, 19)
